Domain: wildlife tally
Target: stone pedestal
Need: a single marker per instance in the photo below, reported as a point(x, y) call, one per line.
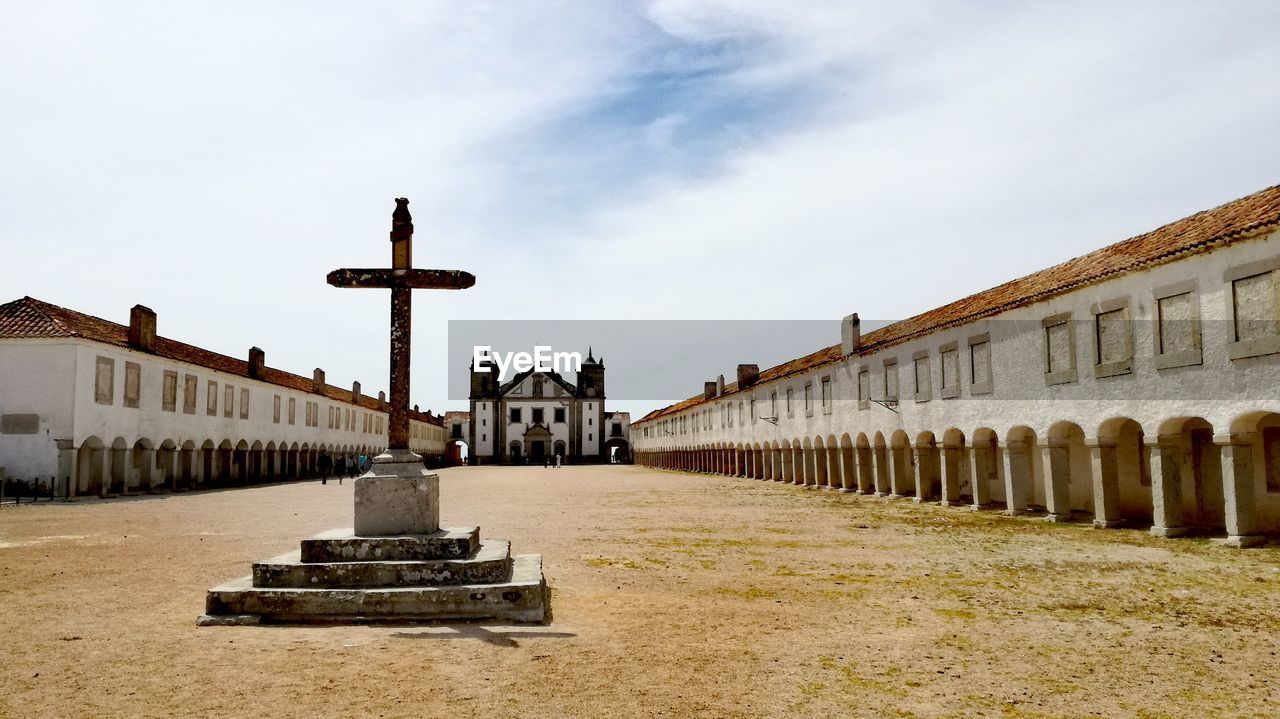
point(395, 566)
point(397, 496)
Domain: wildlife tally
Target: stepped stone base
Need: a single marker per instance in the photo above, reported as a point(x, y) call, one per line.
point(521, 598)
point(490, 564)
point(342, 545)
point(338, 577)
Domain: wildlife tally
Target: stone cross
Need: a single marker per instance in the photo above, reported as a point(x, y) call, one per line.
point(401, 279)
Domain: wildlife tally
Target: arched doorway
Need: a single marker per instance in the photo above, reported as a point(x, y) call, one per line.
point(617, 449)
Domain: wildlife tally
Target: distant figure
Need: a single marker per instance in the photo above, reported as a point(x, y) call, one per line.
point(325, 465)
point(546, 461)
point(557, 460)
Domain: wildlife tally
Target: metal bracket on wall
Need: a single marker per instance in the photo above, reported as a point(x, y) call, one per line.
point(889, 404)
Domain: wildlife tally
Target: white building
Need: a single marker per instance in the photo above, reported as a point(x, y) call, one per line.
point(122, 409)
point(537, 415)
point(1139, 384)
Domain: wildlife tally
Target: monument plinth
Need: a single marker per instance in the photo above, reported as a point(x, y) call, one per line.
point(395, 564)
point(397, 496)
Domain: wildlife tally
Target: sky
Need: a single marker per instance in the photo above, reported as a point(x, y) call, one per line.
point(595, 160)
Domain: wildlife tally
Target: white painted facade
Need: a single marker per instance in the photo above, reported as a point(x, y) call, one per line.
point(1042, 434)
point(113, 446)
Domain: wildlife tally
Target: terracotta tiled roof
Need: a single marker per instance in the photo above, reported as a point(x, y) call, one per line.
point(1240, 219)
point(29, 318)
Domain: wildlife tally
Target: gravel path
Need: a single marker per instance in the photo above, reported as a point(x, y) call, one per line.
point(674, 595)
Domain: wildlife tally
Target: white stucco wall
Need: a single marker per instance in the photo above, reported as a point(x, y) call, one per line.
point(37, 377)
point(1221, 390)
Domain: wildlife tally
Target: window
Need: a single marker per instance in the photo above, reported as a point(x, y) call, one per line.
point(275, 409)
point(949, 356)
point(1059, 349)
point(516, 415)
point(615, 430)
point(293, 409)
point(228, 401)
point(456, 431)
point(740, 422)
point(1112, 339)
point(826, 395)
point(244, 403)
point(557, 414)
point(754, 417)
point(132, 383)
point(591, 420)
point(808, 399)
point(790, 410)
point(891, 380)
point(726, 415)
point(773, 405)
point(1255, 309)
point(104, 381)
point(922, 381)
point(864, 387)
point(538, 414)
point(169, 392)
point(190, 385)
point(211, 400)
point(1177, 340)
point(980, 364)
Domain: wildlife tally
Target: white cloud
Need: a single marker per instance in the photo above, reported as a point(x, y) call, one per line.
point(227, 156)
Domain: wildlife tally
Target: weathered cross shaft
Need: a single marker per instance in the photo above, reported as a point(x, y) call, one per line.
point(401, 279)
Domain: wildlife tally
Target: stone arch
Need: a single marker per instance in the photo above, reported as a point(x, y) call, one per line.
point(1123, 494)
point(118, 475)
point(804, 455)
point(1251, 477)
point(816, 469)
point(1186, 478)
point(167, 464)
point(208, 464)
point(865, 463)
point(988, 470)
point(1023, 471)
point(90, 471)
point(832, 460)
point(848, 465)
point(1068, 483)
point(142, 465)
point(880, 456)
point(515, 451)
point(956, 471)
point(788, 462)
point(775, 462)
point(902, 464)
point(928, 467)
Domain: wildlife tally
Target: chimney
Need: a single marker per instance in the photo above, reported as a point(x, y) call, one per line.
point(257, 360)
point(355, 393)
point(415, 409)
point(850, 334)
point(382, 400)
point(317, 381)
point(747, 375)
point(708, 390)
point(142, 329)
point(719, 385)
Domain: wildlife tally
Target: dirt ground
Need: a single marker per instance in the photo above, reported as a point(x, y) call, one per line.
point(674, 595)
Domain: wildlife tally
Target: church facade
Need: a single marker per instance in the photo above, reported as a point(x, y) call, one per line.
point(536, 416)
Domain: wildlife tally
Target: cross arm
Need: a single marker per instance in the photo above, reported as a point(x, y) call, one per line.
point(411, 279)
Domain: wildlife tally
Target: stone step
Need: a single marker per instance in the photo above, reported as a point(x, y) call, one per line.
point(490, 564)
point(523, 598)
point(343, 545)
